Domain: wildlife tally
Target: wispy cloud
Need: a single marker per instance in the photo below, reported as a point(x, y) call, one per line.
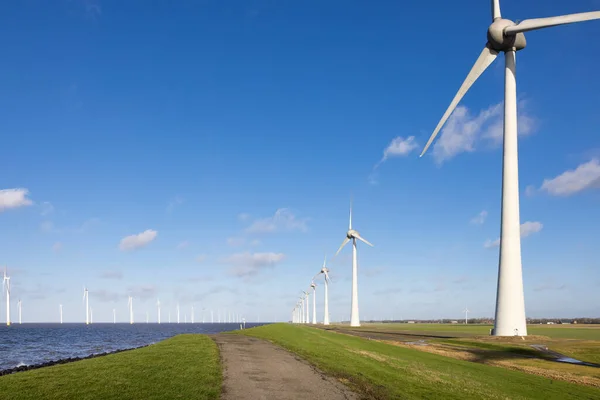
point(138, 241)
point(250, 264)
point(174, 203)
point(480, 218)
point(585, 176)
point(399, 147)
point(282, 220)
point(464, 132)
point(527, 229)
point(111, 274)
point(46, 208)
point(201, 258)
point(183, 245)
point(14, 198)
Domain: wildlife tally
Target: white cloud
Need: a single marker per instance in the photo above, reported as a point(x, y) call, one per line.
point(527, 229)
point(399, 146)
point(140, 240)
point(47, 208)
point(585, 176)
point(56, 247)
point(250, 264)
point(480, 218)
point(14, 198)
point(464, 132)
point(183, 245)
point(283, 220)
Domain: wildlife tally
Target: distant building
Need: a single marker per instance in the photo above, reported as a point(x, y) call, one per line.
point(454, 322)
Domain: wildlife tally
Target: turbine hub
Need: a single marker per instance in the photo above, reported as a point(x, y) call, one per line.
point(351, 234)
point(501, 42)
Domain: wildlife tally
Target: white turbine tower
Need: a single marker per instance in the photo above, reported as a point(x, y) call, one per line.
point(147, 317)
point(306, 308)
point(158, 307)
point(506, 36)
point(20, 304)
point(177, 312)
point(353, 235)
point(325, 273)
point(130, 304)
point(86, 298)
point(114, 316)
point(91, 315)
point(466, 311)
point(6, 286)
point(60, 309)
point(169, 316)
point(314, 288)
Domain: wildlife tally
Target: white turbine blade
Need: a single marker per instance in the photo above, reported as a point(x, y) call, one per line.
point(327, 277)
point(538, 23)
point(496, 10)
point(350, 222)
point(363, 240)
point(486, 57)
point(325, 261)
point(346, 240)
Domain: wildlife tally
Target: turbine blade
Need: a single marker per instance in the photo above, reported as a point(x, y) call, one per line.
point(350, 222)
point(538, 23)
point(496, 10)
point(346, 240)
point(325, 261)
point(487, 56)
point(364, 240)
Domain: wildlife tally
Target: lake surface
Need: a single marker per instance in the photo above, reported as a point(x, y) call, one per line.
point(30, 344)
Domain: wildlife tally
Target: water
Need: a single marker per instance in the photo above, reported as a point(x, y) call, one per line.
point(30, 344)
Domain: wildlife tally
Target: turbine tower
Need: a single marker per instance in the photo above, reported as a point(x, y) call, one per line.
point(60, 309)
point(130, 304)
point(325, 273)
point(6, 286)
point(466, 311)
point(353, 235)
point(114, 316)
point(306, 307)
point(504, 35)
point(158, 307)
point(87, 305)
point(314, 288)
point(19, 305)
point(178, 312)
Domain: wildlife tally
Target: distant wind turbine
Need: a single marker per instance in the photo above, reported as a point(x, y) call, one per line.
point(353, 235)
point(325, 273)
point(130, 304)
point(114, 316)
point(147, 317)
point(169, 316)
point(19, 305)
point(86, 297)
point(314, 317)
point(6, 286)
point(466, 315)
point(158, 307)
point(506, 36)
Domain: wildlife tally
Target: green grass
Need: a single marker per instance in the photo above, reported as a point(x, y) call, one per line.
point(383, 371)
point(586, 332)
point(182, 367)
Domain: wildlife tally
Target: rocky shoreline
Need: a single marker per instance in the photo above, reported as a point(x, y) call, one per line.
point(62, 361)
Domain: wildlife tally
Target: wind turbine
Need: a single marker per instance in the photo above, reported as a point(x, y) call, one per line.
point(158, 307)
point(353, 235)
point(130, 304)
point(466, 311)
point(169, 316)
point(87, 305)
point(19, 305)
point(307, 319)
point(147, 317)
point(91, 315)
point(325, 273)
point(506, 36)
point(114, 316)
point(60, 308)
point(177, 312)
point(314, 288)
point(6, 285)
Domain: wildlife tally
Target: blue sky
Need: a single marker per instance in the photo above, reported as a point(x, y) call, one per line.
point(231, 135)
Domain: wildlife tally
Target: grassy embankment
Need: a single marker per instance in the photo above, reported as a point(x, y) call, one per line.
point(182, 367)
point(383, 371)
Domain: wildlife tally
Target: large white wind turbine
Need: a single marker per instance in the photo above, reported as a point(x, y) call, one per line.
point(506, 36)
point(6, 286)
point(314, 317)
point(353, 235)
point(20, 306)
point(87, 305)
point(158, 309)
point(130, 304)
point(325, 273)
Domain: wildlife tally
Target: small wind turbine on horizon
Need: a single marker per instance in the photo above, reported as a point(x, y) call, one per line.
point(325, 273)
point(506, 36)
point(353, 235)
point(6, 286)
point(86, 297)
point(130, 305)
point(466, 311)
point(147, 317)
point(60, 310)
point(114, 316)
point(20, 306)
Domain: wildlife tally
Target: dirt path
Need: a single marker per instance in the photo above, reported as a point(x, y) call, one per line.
point(256, 369)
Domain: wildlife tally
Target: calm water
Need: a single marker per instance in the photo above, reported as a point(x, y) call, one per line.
point(29, 344)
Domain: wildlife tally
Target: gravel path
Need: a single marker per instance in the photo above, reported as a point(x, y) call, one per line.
point(256, 369)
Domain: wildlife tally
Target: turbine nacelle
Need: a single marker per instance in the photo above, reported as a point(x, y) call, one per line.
point(313, 285)
point(500, 41)
point(352, 234)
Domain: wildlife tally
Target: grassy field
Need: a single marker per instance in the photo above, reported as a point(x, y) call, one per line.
point(587, 332)
point(183, 367)
point(385, 371)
